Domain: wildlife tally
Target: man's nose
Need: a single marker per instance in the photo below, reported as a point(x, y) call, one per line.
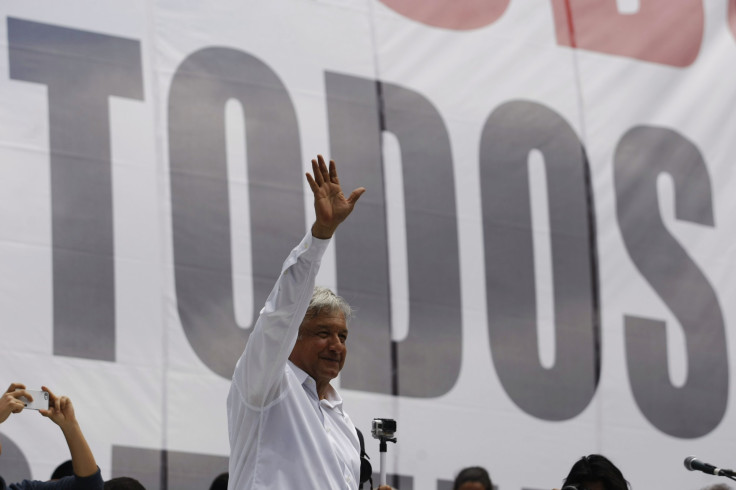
point(336, 343)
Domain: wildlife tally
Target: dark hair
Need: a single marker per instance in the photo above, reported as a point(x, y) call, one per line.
point(596, 469)
point(220, 483)
point(473, 474)
point(64, 469)
point(123, 483)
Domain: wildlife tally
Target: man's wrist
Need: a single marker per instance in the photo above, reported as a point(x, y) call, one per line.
point(322, 232)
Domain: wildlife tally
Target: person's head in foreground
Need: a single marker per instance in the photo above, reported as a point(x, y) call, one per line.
point(123, 483)
point(473, 478)
point(595, 472)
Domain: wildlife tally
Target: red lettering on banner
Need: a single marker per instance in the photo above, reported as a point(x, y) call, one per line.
point(669, 32)
point(451, 14)
point(732, 16)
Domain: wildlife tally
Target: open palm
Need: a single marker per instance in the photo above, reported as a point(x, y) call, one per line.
point(330, 204)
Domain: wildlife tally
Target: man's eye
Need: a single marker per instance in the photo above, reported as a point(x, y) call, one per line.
point(324, 335)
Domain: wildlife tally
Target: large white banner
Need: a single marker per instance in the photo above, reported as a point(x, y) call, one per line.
point(542, 263)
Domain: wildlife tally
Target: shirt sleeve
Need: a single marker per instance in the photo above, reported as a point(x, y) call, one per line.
point(259, 372)
point(92, 482)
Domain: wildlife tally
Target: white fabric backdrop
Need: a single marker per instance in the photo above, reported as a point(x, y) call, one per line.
point(157, 393)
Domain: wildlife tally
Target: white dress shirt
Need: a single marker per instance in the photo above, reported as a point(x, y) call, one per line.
point(282, 436)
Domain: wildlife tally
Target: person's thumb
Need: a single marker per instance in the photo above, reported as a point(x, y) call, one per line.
point(355, 195)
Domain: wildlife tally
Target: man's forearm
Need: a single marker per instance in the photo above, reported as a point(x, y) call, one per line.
point(276, 330)
point(83, 461)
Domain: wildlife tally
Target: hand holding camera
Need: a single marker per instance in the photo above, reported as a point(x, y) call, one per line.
point(11, 401)
point(60, 410)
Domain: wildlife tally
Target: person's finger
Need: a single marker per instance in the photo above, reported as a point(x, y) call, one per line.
point(312, 183)
point(317, 174)
point(54, 402)
point(52, 397)
point(19, 393)
point(355, 195)
point(17, 406)
point(323, 168)
point(333, 173)
point(15, 386)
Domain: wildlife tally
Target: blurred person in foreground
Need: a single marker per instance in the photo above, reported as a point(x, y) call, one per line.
point(473, 478)
point(595, 472)
point(288, 428)
point(220, 482)
point(123, 483)
point(61, 412)
point(64, 469)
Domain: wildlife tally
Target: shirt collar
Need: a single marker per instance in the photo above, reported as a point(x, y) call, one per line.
point(333, 398)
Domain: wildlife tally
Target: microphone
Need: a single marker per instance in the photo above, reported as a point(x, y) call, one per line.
point(692, 463)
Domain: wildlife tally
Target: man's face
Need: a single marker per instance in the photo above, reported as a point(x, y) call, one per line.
point(320, 348)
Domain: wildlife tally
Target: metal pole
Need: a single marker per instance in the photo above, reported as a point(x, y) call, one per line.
point(383, 469)
point(382, 448)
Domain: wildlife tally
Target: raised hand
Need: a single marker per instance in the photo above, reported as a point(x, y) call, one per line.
point(61, 410)
point(9, 402)
point(330, 204)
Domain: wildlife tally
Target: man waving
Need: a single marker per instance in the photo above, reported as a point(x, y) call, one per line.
point(288, 428)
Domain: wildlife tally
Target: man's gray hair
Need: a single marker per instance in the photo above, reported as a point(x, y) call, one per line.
point(324, 301)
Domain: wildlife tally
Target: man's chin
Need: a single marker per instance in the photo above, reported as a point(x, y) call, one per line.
point(331, 369)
